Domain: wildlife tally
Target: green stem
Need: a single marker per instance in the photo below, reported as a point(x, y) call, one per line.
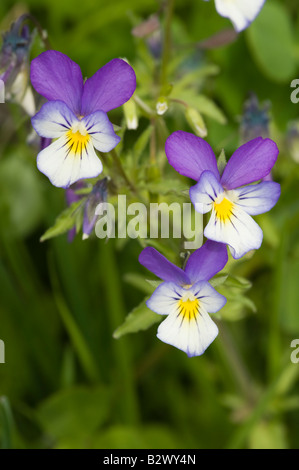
point(237, 366)
point(167, 44)
point(274, 345)
point(84, 355)
point(117, 313)
point(241, 435)
point(121, 171)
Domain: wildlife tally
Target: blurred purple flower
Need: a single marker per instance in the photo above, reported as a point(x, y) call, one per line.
point(14, 64)
point(255, 120)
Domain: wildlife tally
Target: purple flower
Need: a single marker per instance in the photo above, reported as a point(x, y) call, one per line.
point(231, 197)
point(186, 297)
point(75, 114)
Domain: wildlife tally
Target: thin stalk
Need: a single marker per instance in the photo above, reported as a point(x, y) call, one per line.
point(121, 171)
point(117, 313)
point(79, 343)
point(274, 344)
point(237, 366)
point(167, 44)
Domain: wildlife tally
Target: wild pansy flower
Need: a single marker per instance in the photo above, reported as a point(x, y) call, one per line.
point(240, 12)
point(186, 297)
point(75, 114)
point(230, 197)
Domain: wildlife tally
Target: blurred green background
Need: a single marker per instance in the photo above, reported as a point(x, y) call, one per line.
point(66, 381)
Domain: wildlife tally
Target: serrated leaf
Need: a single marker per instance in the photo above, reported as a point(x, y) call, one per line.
point(141, 318)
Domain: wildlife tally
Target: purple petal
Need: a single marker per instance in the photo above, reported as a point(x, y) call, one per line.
point(161, 267)
point(251, 162)
point(45, 142)
point(56, 77)
point(268, 177)
point(110, 87)
point(71, 234)
point(88, 222)
point(258, 198)
point(207, 261)
point(190, 155)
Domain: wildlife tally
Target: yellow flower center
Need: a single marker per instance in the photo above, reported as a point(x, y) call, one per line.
point(77, 142)
point(223, 209)
point(188, 308)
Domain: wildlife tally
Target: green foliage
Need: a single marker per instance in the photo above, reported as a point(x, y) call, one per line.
point(272, 42)
point(74, 376)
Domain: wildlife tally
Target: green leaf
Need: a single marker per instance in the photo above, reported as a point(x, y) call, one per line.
point(141, 318)
point(71, 412)
point(142, 142)
point(203, 104)
point(137, 280)
point(271, 41)
point(152, 436)
point(268, 435)
point(64, 222)
point(218, 280)
point(221, 162)
point(166, 186)
point(21, 198)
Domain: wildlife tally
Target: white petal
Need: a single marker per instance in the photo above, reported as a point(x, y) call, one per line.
point(240, 12)
point(256, 198)
point(165, 298)
point(188, 325)
point(53, 120)
point(239, 231)
point(101, 131)
point(205, 192)
point(27, 102)
point(208, 297)
point(191, 336)
point(64, 167)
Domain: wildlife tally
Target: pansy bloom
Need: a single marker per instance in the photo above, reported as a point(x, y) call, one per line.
point(230, 197)
point(186, 297)
point(75, 114)
point(240, 12)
